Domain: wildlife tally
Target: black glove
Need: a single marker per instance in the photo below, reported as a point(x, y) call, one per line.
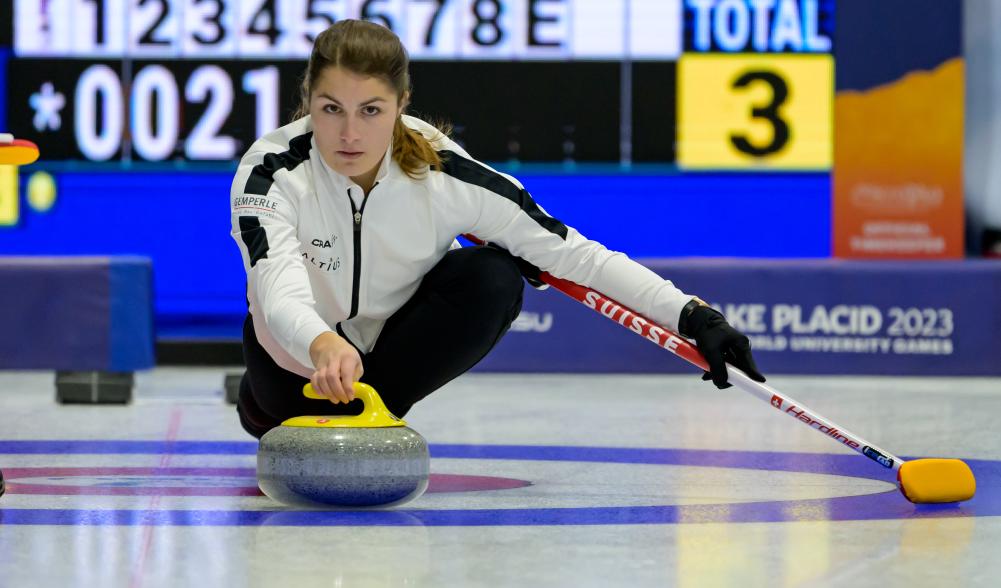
point(718, 342)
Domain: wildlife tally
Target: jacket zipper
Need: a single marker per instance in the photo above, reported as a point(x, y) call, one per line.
point(356, 278)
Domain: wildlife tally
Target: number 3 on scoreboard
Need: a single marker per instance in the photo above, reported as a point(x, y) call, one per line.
point(755, 111)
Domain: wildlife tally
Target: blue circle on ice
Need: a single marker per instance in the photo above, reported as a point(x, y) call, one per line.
point(883, 505)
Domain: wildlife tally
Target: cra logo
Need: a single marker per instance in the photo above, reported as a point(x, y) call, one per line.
point(324, 243)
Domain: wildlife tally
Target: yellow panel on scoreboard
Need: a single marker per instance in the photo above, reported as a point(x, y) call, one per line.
point(9, 209)
point(744, 111)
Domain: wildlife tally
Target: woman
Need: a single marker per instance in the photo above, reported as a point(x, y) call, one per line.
point(346, 219)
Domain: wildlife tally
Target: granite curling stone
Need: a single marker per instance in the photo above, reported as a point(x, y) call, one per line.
point(369, 460)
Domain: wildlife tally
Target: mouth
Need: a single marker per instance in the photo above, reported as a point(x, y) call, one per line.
point(350, 154)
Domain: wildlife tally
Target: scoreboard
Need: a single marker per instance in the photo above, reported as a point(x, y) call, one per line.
point(705, 84)
point(431, 29)
point(756, 85)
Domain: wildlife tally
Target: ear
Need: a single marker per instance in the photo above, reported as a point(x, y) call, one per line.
point(404, 102)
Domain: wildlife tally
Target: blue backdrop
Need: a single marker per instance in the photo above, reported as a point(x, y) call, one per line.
point(180, 219)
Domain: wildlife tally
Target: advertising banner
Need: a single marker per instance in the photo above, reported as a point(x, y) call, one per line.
point(803, 317)
point(898, 119)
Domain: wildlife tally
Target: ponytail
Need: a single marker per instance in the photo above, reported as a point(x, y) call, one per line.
point(413, 152)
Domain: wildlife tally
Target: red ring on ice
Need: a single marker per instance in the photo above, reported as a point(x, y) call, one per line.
point(244, 482)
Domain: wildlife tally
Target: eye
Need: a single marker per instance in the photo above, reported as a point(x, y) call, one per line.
point(371, 110)
point(331, 108)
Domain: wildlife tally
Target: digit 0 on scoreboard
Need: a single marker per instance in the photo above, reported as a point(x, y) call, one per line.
point(742, 111)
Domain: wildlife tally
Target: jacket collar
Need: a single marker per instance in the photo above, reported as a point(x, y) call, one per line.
point(389, 170)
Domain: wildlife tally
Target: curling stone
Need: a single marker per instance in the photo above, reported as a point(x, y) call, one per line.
point(372, 459)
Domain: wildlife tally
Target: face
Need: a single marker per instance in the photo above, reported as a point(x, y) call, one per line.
point(353, 118)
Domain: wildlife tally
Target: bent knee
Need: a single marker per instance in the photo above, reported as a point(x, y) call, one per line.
point(495, 272)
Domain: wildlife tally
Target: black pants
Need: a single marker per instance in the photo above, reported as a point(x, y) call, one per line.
point(462, 308)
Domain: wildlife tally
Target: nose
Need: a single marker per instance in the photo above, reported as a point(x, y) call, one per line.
point(349, 132)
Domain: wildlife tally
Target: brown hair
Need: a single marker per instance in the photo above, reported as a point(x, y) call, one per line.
point(369, 49)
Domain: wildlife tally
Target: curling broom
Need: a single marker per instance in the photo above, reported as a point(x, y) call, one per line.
point(921, 481)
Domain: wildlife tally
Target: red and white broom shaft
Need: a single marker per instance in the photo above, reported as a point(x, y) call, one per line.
point(681, 347)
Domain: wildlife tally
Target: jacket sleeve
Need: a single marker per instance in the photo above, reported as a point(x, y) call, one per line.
point(505, 213)
point(264, 228)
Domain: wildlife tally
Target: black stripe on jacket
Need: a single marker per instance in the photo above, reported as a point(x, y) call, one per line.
point(471, 172)
point(263, 175)
point(254, 238)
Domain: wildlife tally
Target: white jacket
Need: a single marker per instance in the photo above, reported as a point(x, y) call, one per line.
point(311, 268)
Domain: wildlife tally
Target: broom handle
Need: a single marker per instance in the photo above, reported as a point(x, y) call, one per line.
point(681, 347)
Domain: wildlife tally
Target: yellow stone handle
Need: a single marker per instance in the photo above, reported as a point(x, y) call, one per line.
point(375, 413)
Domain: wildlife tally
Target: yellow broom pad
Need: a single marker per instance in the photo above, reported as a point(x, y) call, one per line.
point(936, 480)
